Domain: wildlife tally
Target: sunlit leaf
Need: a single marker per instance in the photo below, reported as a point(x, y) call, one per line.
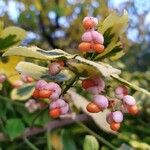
point(8, 67)
point(38, 53)
point(104, 69)
point(38, 72)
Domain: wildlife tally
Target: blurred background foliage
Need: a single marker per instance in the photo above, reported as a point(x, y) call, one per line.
point(57, 24)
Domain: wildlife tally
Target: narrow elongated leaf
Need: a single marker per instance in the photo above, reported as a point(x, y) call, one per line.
point(22, 93)
point(99, 118)
point(38, 72)
point(38, 53)
point(133, 86)
point(104, 69)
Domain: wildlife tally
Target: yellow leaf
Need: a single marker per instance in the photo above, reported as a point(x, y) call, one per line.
point(8, 68)
point(20, 33)
point(1, 25)
point(119, 23)
point(38, 53)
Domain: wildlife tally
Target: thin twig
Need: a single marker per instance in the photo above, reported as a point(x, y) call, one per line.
point(29, 132)
point(33, 147)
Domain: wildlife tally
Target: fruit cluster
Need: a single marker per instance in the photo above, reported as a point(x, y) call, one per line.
point(51, 91)
point(96, 86)
point(92, 40)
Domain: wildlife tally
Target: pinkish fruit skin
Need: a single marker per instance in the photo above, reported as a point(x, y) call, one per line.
point(129, 100)
point(117, 116)
point(31, 105)
point(95, 20)
point(109, 118)
point(54, 68)
point(87, 37)
point(121, 91)
point(97, 37)
point(55, 88)
point(101, 101)
point(64, 110)
point(24, 78)
point(40, 85)
point(2, 78)
point(99, 86)
point(17, 84)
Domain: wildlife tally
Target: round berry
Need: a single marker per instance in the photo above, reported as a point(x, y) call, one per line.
point(101, 101)
point(89, 22)
point(64, 110)
point(44, 93)
point(115, 126)
point(109, 118)
point(98, 48)
point(87, 37)
point(17, 84)
point(97, 37)
point(35, 93)
point(117, 116)
point(93, 108)
point(54, 68)
point(133, 110)
point(55, 113)
point(31, 105)
point(87, 83)
point(2, 78)
point(121, 91)
point(129, 100)
point(40, 84)
point(84, 47)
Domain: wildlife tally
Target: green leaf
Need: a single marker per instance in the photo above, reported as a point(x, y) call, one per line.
point(68, 142)
point(114, 20)
point(112, 27)
point(38, 72)
point(133, 86)
point(104, 69)
point(90, 143)
point(14, 128)
point(80, 102)
point(35, 52)
point(22, 93)
point(8, 41)
point(18, 32)
point(125, 147)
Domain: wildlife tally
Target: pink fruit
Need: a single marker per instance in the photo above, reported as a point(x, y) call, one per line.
point(31, 105)
point(117, 116)
point(64, 110)
point(55, 88)
point(2, 78)
point(87, 37)
point(101, 101)
point(40, 85)
point(17, 84)
point(54, 68)
point(97, 37)
point(109, 118)
point(129, 100)
point(121, 91)
point(89, 22)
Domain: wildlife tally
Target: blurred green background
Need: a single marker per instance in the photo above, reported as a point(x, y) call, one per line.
point(57, 24)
